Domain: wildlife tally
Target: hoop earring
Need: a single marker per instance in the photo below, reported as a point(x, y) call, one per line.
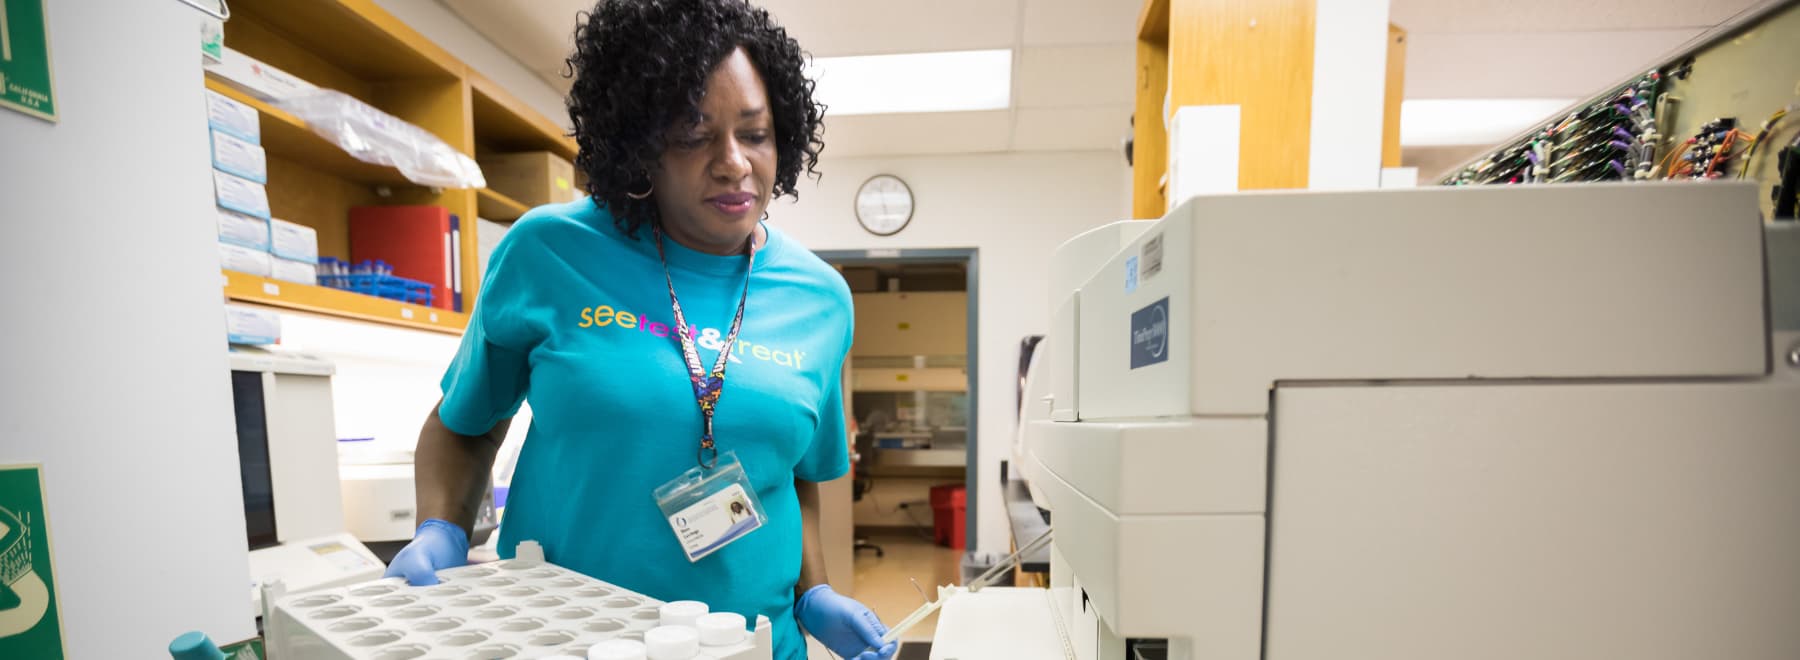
point(644, 195)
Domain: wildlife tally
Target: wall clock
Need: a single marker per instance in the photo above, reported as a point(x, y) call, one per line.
point(884, 205)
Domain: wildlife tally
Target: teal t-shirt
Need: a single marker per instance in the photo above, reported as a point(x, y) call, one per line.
point(574, 317)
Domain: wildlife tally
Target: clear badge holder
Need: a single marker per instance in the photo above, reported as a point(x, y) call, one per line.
point(710, 509)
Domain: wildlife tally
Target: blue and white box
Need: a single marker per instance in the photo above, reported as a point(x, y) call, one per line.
point(226, 114)
point(293, 241)
point(252, 325)
point(241, 195)
point(244, 260)
point(234, 156)
point(242, 230)
point(299, 272)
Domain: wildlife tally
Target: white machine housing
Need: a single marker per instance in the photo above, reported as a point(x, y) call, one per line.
point(1421, 424)
point(302, 439)
point(301, 436)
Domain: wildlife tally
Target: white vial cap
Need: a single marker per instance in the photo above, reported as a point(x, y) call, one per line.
point(529, 551)
point(618, 649)
point(682, 613)
point(672, 642)
point(722, 628)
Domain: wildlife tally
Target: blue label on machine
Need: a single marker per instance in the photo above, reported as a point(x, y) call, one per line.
point(1150, 334)
point(1131, 268)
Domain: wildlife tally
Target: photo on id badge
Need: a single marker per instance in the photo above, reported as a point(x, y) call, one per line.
point(711, 511)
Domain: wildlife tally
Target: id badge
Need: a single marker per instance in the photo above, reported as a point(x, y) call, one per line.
point(710, 509)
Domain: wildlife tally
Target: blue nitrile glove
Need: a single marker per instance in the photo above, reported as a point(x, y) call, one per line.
point(437, 545)
point(843, 625)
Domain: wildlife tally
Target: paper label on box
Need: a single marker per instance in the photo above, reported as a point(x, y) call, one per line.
point(243, 260)
point(298, 272)
point(224, 113)
point(241, 195)
point(239, 229)
point(239, 157)
point(293, 241)
point(244, 325)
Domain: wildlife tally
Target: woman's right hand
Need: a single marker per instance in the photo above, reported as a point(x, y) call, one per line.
point(436, 545)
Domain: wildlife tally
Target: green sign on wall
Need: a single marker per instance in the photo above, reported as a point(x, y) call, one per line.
point(25, 59)
point(29, 624)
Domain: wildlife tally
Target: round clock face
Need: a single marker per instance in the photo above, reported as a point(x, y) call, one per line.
point(884, 205)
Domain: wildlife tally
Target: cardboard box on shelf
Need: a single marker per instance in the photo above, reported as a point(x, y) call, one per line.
point(239, 229)
point(240, 194)
point(227, 115)
point(252, 325)
point(533, 178)
point(487, 237)
point(299, 272)
point(239, 157)
point(244, 260)
point(293, 241)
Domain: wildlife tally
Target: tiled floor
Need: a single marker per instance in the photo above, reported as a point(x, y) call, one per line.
point(885, 583)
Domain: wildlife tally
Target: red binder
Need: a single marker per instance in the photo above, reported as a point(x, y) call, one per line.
point(419, 242)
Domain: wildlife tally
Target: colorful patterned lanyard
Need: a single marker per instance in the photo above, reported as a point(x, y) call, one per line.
point(706, 388)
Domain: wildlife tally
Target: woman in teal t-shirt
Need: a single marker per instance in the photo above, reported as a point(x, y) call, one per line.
point(660, 327)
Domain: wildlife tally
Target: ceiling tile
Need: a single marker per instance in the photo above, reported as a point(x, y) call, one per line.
point(1543, 65)
point(1066, 22)
point(1076, 75)
point(922, 133)
point(1100, 128)
point(829, 28)
point(1426, 16)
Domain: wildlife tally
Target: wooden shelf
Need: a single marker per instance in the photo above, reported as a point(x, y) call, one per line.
point(356, 47)
point(935, 458)
point(286, 136)
point(929, 379)
point(504, 124)
point(355, 36)
point(244, 287)
point(497, 207)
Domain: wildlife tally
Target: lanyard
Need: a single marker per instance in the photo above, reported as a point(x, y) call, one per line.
point(706, 387)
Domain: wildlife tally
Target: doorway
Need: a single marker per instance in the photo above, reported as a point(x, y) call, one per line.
point(911, 389)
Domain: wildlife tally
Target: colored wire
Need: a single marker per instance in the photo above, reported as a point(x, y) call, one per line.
point(1670, 172)
point(1768, 125)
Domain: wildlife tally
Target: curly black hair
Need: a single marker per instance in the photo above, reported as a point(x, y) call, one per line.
point(640, 66)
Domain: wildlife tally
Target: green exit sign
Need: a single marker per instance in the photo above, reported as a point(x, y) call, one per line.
point(25, 59)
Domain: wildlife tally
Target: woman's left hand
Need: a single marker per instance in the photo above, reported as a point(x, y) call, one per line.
point(843, 625)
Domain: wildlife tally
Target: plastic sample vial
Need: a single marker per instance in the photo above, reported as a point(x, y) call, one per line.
point(672, 642)
point(618, 649)
point(682, 613)
point(721, 628)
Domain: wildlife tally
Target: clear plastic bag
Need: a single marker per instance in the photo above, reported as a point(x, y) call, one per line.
point(373, 136)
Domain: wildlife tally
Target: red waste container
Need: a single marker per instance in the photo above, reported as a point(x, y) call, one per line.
point(949, 510)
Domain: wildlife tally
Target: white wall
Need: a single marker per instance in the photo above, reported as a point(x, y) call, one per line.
point(451, 33)
point(1015, 209)
point(387, 382)
point(114, 352)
